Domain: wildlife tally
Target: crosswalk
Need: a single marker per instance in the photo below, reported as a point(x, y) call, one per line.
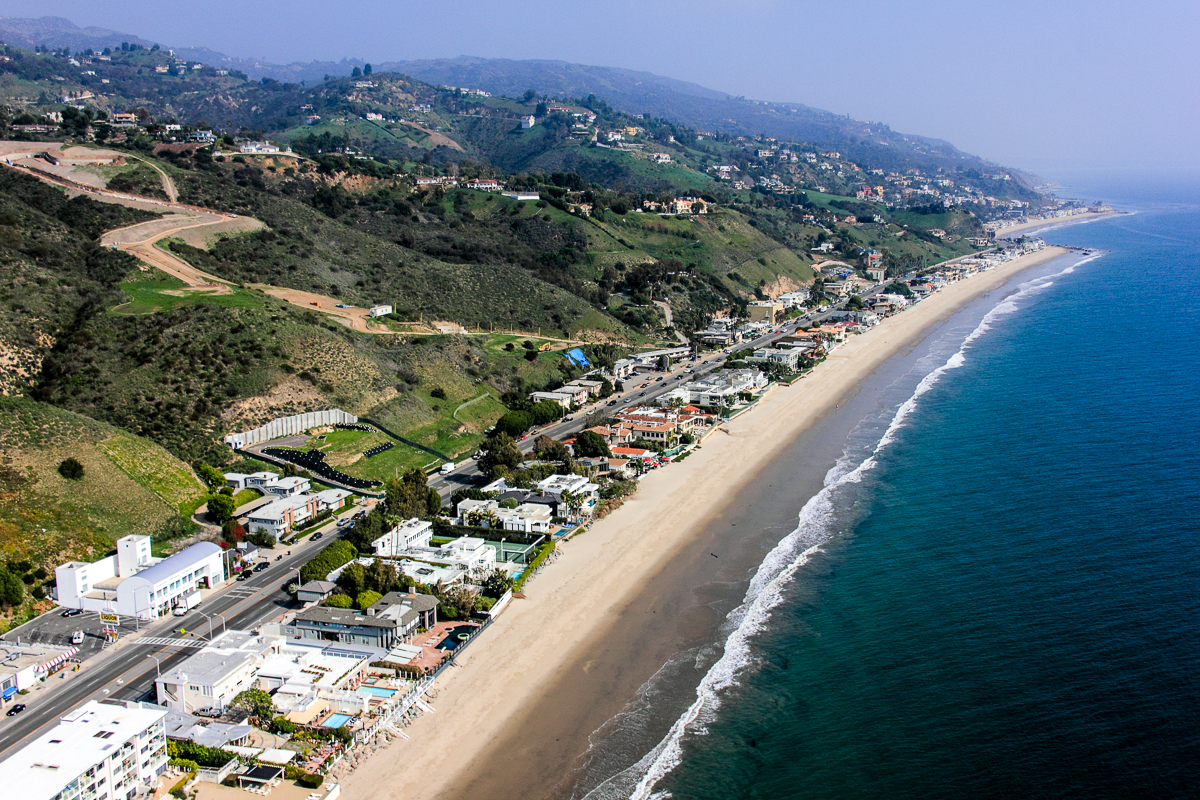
point(167, 641)
point(241, 591)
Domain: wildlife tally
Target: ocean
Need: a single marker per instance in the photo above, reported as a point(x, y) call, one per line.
point(997, 591)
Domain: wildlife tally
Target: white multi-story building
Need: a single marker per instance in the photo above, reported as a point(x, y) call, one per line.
point(215, 675)
point(133, 584)
point(280, 516)
point(408, 534)
point(527, 517)
point(99, 751)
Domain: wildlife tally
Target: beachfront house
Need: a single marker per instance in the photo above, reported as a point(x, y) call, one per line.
point(788, 358)
point(348, 626)
point(526, 517)
point(211, 678)
point(404, 536)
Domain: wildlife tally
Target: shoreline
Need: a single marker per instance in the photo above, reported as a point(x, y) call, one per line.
point(623, 600)
point(1087, 216)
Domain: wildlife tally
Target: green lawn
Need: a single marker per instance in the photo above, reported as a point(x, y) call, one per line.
point(343, 450)
point(157, 292)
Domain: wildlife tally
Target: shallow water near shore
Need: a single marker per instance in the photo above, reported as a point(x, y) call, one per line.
point(1002, 601)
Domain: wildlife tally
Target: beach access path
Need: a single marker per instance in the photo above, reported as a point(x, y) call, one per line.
point(518, 711)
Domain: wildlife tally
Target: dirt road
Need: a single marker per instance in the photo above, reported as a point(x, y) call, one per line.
point(192, 224)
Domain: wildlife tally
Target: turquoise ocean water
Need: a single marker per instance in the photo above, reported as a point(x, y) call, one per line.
point(998, 592)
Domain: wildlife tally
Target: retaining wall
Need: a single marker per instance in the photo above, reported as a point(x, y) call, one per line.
point(289, 426)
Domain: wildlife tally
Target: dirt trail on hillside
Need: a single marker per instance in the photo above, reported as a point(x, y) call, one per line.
point(140, 241)
point(195, 226)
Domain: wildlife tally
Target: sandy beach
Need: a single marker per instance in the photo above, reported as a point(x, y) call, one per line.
point(1087, 216)
point(513, 719)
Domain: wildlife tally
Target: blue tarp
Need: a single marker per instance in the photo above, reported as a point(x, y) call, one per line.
point(578, 357)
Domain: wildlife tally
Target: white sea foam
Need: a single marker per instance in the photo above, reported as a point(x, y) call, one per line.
point(767, 588)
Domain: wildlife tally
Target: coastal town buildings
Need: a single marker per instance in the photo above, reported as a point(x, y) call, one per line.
point(99, 751)
point(132, 583)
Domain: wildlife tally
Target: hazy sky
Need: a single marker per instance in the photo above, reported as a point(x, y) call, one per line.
point(1048, 86)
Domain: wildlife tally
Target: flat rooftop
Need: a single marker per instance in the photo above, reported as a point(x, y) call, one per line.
point(40, 769)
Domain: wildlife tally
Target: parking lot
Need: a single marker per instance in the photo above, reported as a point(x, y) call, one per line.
point(55, 629)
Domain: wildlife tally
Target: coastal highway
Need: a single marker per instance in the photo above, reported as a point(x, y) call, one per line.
point(467, 472)
point(128, 671)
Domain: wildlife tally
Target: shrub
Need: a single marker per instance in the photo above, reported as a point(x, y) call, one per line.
point(438, 392)
point(285, 726)
point(310, 781)
point(339, 601)
point(71, 469)
point(367, 599)
point(329, 559)
point(221, 508)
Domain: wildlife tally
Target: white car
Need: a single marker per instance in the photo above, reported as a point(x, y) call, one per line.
point(180, 611)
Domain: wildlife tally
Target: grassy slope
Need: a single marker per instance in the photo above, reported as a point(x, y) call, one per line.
point(130, 484)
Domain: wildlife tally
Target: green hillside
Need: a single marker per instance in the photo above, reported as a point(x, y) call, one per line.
point(130, 485)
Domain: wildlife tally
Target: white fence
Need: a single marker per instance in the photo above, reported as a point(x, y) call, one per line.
point(289, 426)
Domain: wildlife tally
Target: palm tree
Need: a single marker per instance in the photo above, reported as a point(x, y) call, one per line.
point(572, 501)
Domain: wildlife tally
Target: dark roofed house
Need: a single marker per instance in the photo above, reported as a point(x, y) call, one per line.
point(315, 591)
point(424, 605)
point(384, 630)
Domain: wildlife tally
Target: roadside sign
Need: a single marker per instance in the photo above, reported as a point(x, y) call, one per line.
point(111, 618)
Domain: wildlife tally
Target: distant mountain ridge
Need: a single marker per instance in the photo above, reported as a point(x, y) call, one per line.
point(628, 90)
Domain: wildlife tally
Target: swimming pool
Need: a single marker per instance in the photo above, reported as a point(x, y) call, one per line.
point(336, 720)
point(376, 691)
point(456, 636)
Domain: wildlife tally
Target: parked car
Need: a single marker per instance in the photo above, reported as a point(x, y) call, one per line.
point(243, 575)
point(77, 637)
point(17, 709)
point(72, 612)
point(211, 713)
point(179, 611)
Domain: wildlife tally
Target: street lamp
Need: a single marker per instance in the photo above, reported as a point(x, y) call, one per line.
point(207, 617)
point(157, 666)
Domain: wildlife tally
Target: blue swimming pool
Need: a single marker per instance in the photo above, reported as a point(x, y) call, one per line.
point(376, 691)
point(336, 720)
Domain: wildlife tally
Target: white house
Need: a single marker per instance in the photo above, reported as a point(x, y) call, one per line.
point(474, 554)
point(215, 675)
point(793, 299)
point(409, 534)
point(256, 480)
point(99, 751)
point(527, 517)
point(287, 487)
point(278, 517)
point(564, 399)
point(258, 147)
point(877, 274)
point(788, 357)
point(528, 121)
point(136, 585)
